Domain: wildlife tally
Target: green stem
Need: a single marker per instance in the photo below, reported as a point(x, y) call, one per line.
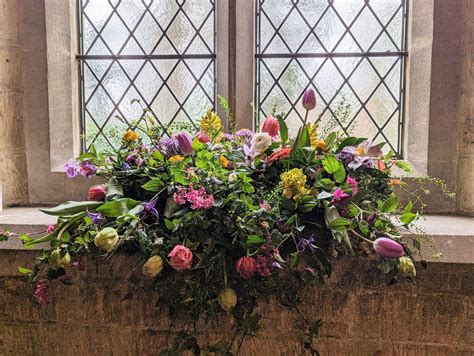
point(306, 117)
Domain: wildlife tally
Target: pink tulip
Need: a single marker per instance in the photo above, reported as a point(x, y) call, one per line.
point(185, 143)
point(246, 266)
point(271, 126)
point(203, 137)
point(309, 99)
point(388, 248)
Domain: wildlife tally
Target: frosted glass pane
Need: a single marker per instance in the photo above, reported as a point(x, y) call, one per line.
point(319, 45)
point(176, 90)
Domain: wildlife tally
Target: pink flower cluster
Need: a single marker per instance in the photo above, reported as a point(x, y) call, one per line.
point(198, 198)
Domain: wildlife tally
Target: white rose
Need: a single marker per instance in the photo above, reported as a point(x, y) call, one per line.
point(260, 142)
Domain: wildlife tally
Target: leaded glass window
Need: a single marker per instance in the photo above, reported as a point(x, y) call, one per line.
point(352, 52)
point(160, 52)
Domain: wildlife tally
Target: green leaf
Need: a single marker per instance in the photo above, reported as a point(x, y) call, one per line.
point(114, 189)
point(350, 141)
point(407, 218)
point(169, 224)
point(404, 165)
point(330, 139)
point(324, 195)
point(390, 204)
point(72, 207)
point(326, 183)
point(283, 129)
point(364, 227)
point(408, 207)
point(340, 174)
point(24, 270)
point(116, 208)
point(303, 138)
point(331, 164)
point(339, 224)
point(154, 185)
point(254, 239)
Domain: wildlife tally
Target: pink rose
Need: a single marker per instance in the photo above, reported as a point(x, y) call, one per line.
point(97, 192)
point(180, 257)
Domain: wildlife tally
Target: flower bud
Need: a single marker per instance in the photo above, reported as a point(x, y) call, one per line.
point(58, 261)
point(203, 137)
point(227, 299)
point(185, 143)
point(153, 266)
point(246, 266)
point(309, 99)
point(97, 192)
point(271, 126)
point(106, 239)
point(407, 266)
point(388, 248)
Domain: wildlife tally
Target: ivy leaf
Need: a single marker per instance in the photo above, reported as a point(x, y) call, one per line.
point(254, 239)
point(407, 218)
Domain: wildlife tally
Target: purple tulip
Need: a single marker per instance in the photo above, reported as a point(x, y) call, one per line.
point(185, 143)
point(388, 248)
point(309, 99)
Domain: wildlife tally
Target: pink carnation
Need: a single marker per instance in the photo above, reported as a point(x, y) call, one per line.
point(180, 257)
point(198, 198)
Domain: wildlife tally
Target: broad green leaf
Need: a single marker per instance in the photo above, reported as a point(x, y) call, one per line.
point(72, 207)
point(324, 195)
point(350, 141)
point(340, 174)
point(407, 218)
point(116, 208)
point(331, 164)
point(404, 165)
point(390, 204)
point(339, 224)
point(154, 185)
point(254, 239)
point(114, 189)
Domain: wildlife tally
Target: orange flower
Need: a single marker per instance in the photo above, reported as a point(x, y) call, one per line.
point(224, 162)
point(130, 136)
point(279, 155)
point(381, 166)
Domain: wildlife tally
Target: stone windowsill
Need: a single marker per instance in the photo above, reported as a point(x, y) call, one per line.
point(453, 235)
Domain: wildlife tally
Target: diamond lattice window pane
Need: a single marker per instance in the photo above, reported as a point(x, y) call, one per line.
point(140, 49)
point(352, 52)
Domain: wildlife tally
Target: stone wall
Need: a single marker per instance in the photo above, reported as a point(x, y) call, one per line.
point(102, 313)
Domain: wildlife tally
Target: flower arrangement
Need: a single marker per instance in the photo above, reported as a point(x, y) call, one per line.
point(222, 220)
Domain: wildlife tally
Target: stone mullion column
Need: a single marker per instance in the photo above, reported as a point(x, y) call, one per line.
point(12, 137)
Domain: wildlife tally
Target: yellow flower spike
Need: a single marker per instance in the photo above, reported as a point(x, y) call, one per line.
point(210, 122)
point(130, 136)
point(224, 162)
point(315, 141)
point(175, 159)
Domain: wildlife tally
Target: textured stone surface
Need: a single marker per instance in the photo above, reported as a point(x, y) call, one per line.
point(362, 315)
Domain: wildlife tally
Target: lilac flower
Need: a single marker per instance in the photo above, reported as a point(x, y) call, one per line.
point(87, 169)
point(149, 209)
point(94, 217)
point(71, 168)
point(125, 166)
point(359, 156)
point(307, 244)
point(169, 146)
point(249, 153)
point(245, 135)
point(227, 137)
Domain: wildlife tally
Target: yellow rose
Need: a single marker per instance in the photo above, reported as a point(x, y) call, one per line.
point(227, 299)
point(130, 136)
point(175, 159)
point(106, 239)
point(153, 266)
point(56, 260)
